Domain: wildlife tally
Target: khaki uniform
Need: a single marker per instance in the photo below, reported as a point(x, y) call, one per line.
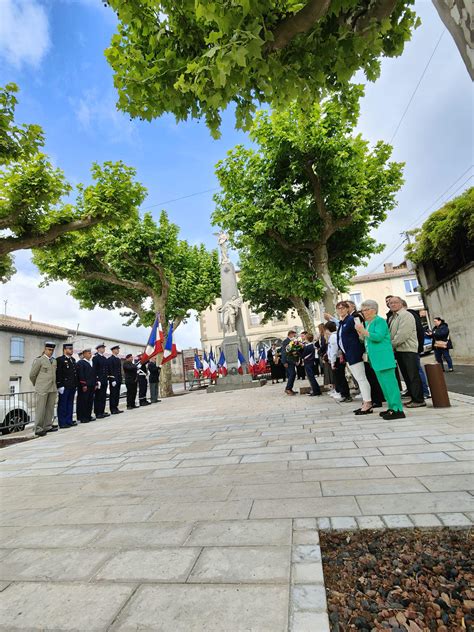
point(43, 377)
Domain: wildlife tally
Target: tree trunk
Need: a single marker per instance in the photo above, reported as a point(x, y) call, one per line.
point(304, 313)
point(321, 266)
point(166, 384)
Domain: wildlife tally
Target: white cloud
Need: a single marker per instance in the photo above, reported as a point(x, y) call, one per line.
point(53, 305)
point(24, 32)
point(98, 113)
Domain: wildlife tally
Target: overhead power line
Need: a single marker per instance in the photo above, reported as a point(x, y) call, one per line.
point(417, 86)
point(183, 197)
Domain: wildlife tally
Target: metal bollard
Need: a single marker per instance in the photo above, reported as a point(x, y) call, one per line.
point(437, 383)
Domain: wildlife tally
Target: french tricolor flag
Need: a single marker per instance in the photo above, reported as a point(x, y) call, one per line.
point(262, 361)
point(170, 350)
point(206, 372)
point(251, 361)
point(240, 362)
point(155, 341)
point(212, 366)
point(222, 365)
point(197, 365)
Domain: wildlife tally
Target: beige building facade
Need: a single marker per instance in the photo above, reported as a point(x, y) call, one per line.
point(396, 280)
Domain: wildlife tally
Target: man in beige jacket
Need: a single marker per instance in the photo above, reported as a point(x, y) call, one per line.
point(43, 377)
point(405, 346)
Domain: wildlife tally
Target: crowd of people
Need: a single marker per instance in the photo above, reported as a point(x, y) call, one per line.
point(85, 383)
point(372, 349)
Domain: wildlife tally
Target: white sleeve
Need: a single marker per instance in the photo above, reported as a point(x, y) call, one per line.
point(332, 348)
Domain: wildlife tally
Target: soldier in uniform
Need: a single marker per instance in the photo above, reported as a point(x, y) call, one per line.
point(43, 378)
point(99, 362)
point(130, 371)
point(66, 382)
point(154, 379)
point(142, 383)
point(87, 384)
point(114, 373)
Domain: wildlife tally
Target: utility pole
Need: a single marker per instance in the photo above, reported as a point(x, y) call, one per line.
point(5, 303)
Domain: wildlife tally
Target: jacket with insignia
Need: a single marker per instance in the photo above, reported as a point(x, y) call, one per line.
point(66, 372)
point(43, 374)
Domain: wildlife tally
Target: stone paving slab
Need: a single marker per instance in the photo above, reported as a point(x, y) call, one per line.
point(203, 513)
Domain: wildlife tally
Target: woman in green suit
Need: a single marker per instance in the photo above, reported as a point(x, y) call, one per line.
point(377, 340)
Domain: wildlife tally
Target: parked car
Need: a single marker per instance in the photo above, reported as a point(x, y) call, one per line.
point(14, 414)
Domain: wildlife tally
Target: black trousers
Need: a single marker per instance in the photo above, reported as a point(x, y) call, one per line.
point(290, 375)
point(309, 368)
point(342, 386)
point(84, 403)
point(376, 393)
point(114, 396)
point(142, 388)
point(131, 393)
point(409, 369)
point(99, 399)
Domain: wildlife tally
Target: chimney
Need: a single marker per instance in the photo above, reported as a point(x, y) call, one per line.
point(388, 267)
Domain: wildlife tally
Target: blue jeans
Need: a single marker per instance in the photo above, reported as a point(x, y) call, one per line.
point(421, 371)
point(443, 353)
point(309, 368)
point(290, 376)
point(66, 407)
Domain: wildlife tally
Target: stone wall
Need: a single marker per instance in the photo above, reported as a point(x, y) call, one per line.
point(453, 300)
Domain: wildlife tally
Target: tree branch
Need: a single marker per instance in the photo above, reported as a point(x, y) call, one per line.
point(10, 244)
point(380, 10)
point(300, 22)
point(317, 191)
point(286, 245)
point(136, 307)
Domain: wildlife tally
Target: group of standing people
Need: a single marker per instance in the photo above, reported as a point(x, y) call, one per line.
point(373, 350)
point(85, 382)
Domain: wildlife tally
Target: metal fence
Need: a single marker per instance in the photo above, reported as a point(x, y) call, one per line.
point(16, 411)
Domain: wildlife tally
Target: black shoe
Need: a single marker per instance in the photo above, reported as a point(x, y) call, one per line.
point(53, 429)
point(102, 416)
point(130, 407)
point(383, 412)
point(345, 400)
point(145, 403)
point(377, 405)
point(114, 412)
point(314, 394)
point(106, 415)
point(412, 404)
point(65, 426)
point(394, 414)
point(41, 433)
point(74, 423)
point(156, 401)
point(369, 411)
point(405, 395)
point(84, 421)
point(91, 418)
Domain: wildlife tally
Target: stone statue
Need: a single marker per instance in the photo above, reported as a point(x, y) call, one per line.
point(222, 239)
point(229, 311)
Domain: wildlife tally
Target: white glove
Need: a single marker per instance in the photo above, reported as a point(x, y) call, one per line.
point(61, 390)
point(97, 385)
point(114, 383)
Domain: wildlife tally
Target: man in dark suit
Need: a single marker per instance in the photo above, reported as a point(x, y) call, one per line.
point(99, 362)
point(131, 380)
point(66, 382)
point(114, 373)
point(289, 362)
point(87, 384)
point(154, 379)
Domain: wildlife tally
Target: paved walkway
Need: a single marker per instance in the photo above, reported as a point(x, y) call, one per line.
point(201, 513)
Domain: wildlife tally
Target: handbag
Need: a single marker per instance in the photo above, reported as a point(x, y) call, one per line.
point(441, 344)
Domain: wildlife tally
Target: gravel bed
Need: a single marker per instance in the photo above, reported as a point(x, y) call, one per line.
point(402, 580)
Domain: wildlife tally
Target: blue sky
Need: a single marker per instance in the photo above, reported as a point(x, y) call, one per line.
point(53, 49)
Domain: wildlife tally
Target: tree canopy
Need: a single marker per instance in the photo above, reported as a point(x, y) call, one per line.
point(193, 58)
point(141, 266)
point(308, 197)
point(33, 211)
point(447, 236)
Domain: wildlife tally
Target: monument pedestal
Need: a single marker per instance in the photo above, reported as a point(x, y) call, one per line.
point(234, 381)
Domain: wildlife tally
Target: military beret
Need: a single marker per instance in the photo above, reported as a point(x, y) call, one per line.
point(100, 346)
point(115, 347)
point(67, 345)
point(50, 345)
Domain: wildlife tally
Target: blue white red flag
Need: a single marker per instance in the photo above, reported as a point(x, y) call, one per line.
point(222, 364)
point(262, 361)
point(170, 350)
point(155, 341)
point(252, 363)
point(240, 362)
point(197, 365)
point(212, 366)
point(205, 366)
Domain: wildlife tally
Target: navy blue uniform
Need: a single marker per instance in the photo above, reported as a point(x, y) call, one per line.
point(87, 377)
point(114, 373)
point(66, 378)
point(100, 365)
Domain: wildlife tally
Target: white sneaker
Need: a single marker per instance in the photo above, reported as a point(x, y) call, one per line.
point(337, 396)
point(359, 396)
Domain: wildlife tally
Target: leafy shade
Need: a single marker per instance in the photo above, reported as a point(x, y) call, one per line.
point(32, 210)
point(446, 239)
point(193, 59)
point(141, 266)
point(308, 198)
